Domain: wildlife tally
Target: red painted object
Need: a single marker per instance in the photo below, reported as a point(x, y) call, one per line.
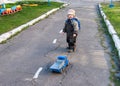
point(18, 8)
point(11, 10)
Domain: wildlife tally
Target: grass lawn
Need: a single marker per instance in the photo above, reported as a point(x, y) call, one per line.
point(113, 14)
point(9, 22)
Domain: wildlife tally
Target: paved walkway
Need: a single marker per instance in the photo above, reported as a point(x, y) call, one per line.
point(34, 48)
point(93, 59)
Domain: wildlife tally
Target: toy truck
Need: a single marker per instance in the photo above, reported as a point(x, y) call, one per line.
point(60, 64)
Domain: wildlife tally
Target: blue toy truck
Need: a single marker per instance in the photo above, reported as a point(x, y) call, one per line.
point(60, 64)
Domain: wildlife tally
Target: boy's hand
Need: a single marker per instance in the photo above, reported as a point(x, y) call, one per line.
point(74, 35)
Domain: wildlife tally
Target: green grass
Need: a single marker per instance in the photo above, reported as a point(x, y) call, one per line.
point(113, 14)
point(9, 22)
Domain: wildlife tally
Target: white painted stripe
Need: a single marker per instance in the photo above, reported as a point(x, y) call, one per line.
point(61, 31)
point(54, 41)
point(37, 73)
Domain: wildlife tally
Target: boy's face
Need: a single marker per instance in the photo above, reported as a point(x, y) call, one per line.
point(70, 16)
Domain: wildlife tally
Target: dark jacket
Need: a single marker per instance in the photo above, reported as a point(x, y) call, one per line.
point(71, 27)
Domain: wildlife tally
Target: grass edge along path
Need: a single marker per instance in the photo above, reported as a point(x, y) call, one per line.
point(13, 32)
point(9, 22)
point(113, 15)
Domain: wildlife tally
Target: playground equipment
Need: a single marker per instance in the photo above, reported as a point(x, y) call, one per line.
point(7, 11)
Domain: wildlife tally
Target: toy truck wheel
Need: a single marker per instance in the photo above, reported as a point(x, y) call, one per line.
point(67, 64)
point(61, 71)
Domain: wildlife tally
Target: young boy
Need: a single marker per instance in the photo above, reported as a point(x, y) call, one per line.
point(71, 29)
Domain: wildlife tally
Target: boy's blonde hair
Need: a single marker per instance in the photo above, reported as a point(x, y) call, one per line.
point(71, 11)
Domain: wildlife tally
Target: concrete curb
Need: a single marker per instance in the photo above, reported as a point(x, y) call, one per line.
point(111, 31)
point(11, 33)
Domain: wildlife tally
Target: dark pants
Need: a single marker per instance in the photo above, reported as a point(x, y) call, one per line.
point(71, 42)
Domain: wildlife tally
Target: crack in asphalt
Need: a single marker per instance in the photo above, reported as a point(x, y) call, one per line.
point(46, 54)
point(34, 81)
point(65, 72)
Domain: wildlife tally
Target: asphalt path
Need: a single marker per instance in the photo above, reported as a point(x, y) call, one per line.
point(25, 59)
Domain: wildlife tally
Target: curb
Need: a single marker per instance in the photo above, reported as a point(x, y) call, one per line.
point(11, 33)
point(111, 31)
